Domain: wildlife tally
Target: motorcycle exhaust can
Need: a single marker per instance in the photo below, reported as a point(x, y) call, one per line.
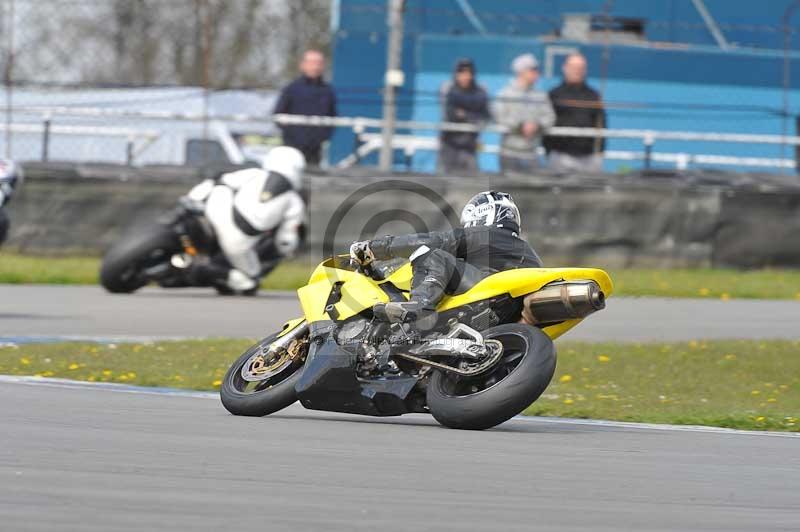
point(562, 301)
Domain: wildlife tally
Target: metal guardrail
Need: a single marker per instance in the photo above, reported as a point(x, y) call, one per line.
point(47, 129)
point(647, 136)
point(413, 143)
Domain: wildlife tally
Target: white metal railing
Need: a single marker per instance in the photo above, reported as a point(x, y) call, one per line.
point(137, 139)
point(412, 143)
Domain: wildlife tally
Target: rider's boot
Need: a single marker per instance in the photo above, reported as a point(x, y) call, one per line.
point(419, 311)
point(226, 279)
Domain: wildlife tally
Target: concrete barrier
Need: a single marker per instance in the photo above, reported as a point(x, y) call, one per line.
point(608, 221)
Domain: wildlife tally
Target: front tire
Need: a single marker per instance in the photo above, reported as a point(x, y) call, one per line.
point(519, 378)
point(265, 398)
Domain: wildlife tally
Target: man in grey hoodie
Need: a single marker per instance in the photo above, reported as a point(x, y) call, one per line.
point(527, 113)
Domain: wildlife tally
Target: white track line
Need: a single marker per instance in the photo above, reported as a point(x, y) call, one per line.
point(174, 392)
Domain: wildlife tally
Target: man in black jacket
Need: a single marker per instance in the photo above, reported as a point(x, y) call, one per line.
point(308, 95)
point(576, 105)
point(464, 102)
point(451, 262)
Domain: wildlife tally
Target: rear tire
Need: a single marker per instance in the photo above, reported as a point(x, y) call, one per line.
point(260, 403)
point(120, 272)
point(453, 402)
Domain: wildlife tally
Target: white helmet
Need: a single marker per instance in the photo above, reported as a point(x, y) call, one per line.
point(287, 161)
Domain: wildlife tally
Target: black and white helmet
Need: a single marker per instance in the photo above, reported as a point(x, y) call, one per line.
point(492, 208)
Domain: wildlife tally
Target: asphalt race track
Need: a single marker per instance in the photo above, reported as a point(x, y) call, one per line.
point(89, 312)
point(87, 459)
point(93, 458)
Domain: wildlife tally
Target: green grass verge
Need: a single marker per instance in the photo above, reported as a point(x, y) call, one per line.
point(738, 384)
point(709, 284)
point(32, 269)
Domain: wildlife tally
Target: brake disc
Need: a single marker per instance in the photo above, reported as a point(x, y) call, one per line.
point(266, 363)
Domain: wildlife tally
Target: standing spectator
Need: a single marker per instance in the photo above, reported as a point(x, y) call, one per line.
point(464, 102)
point(308, 95)
point(576, 105)
point(527, 113)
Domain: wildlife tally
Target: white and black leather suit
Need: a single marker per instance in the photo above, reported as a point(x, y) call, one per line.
point(242, 206)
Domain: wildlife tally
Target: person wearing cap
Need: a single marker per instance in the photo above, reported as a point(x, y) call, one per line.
point(466, 102)
point(527, 113)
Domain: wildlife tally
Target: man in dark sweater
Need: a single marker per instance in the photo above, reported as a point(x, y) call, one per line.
point(576, 105)
point(465, 102)
point(308, 95)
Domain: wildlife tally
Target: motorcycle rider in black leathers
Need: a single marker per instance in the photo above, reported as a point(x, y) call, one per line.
point(451, 262)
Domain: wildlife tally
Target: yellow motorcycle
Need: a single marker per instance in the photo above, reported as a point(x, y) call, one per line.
point(484, 357)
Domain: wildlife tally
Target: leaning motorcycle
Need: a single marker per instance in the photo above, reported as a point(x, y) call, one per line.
point(163, 253)
point(485, 356)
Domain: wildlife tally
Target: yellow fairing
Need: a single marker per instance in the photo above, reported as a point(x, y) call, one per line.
point(359, 292)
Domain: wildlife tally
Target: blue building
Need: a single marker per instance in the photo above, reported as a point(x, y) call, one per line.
point(683, 65)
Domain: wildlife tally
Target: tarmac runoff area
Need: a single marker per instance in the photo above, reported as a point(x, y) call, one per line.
point(53, 313)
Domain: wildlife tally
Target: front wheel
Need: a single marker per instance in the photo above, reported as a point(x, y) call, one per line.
point(262, 382)
point(517, 380)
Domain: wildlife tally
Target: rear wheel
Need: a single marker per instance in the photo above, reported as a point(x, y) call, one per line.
point(517, 380)
point(122, 267)
point(262, 382)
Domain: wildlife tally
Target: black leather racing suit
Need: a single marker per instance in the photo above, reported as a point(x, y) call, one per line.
point(451, 262)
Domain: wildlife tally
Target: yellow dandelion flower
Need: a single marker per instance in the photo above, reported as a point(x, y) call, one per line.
point(131, 375)
point(693, 344)
point(755, 392)
point(760, 419)
point(704, 292)
point(216, 383)
point(568, 401)
point(24, 361)
point(772, 400)
point(122, 378)
point(730, 357)
point(565, 378)
point(73, 366)
point(603, 358)
point(725, 296)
